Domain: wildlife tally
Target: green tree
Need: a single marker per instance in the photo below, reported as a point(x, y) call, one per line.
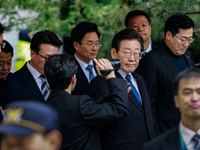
point(61, 16)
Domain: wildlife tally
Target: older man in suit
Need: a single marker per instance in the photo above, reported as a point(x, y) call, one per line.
point(85, 39)
point(131, 132)
point(29, 82)
point(160, 67)
point(187, 99)
point(79, 114)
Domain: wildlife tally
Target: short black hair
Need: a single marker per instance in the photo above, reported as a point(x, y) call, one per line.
point(186, 74)
point(1, 28)
point(44, 37)
point(81, 29)
point(177, 22)
point(7, 47)
point(135, 13)
point(59, 70)
point(126, 34)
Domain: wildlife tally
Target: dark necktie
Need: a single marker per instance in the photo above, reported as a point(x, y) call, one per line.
point(128, 78)
point(91, 75)
point(44, 88)
point(196, 141)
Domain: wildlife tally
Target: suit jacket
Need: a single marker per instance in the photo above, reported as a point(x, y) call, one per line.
point(82, 83)
point(167, 141)
point(80, 116)
point(159, 71)
point(133, 131)
point(20, 86)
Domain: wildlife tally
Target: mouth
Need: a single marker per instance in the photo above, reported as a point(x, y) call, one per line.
point(195, 106)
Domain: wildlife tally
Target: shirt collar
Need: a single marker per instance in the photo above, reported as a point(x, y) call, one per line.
point(83, 64)
point(33, 71)
point(149, 48)
point(186, 133)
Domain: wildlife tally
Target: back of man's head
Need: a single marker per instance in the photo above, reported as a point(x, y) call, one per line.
point(126, 34)
point(7, 47)
point(133, 14)
point(177, 22)
point(1, 28)
point(190, 73)
point(59, 70)
point(81, 29)
point(44, 37)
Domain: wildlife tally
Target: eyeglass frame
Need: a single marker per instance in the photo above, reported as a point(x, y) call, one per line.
point(42, 56)
point(93, 45)
point(125, 56)
point(192, 40)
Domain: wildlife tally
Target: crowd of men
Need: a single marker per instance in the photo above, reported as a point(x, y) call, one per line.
point(63, 101)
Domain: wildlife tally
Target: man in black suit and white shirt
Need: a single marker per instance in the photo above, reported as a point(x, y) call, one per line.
point(131, 132)
point(29, 82)
point(161, 65)
point(85, 39)
point(187, 99)
point(79, 115)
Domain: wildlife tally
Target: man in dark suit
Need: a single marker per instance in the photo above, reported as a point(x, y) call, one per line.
point(160, 66)
point(140, 22)
point(187, 99)
point(79, 115)
point(85, 39)
point(29, 82)
point(131, 132)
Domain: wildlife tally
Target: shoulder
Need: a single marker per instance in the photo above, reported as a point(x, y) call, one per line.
point(162, 139)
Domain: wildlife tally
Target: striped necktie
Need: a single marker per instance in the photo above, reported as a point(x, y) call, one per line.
point(44, 87)
point(91, 75)
point(196, 141)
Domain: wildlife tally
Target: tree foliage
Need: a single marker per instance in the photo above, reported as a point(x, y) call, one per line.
point(61, 16)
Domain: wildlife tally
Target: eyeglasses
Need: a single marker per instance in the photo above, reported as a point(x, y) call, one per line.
point(186, 40)
point(97, 45)
point(129, 54)
point(43, 57)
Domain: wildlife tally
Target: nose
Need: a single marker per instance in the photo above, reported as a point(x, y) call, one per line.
point(140, 28)
point(94, 47)
point(186, 44)
point(132, 57)
point(5, 67)
point(195, 96)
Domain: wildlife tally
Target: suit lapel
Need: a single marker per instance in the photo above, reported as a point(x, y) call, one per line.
point(81, 76)
point(188, 60)
point(132, 96)
point(172, 141)
point(30, 82)
point(166, 59)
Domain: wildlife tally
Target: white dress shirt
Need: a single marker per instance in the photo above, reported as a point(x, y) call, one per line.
point(187, 136)
point(35, 74)
point(84, 66)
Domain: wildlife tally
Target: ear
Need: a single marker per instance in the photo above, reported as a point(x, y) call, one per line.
point(76, 45)
point(168, 35)
point(114, 53)
point(176, 101)
point(73, 82)
point(33, 54)
point(54, 139)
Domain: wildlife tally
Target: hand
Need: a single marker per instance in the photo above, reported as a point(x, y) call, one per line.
point(104, 64)
point(128, 88)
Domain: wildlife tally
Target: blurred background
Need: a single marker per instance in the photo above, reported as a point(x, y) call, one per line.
point(61, 16)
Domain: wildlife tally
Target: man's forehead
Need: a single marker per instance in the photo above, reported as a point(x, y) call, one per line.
point(189, 82)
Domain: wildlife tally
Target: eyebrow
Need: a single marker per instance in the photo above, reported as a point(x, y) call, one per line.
point(92, 41)
point(187, 37)
point(190, 89)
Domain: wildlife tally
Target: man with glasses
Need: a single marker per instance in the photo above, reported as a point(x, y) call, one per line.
point(85, 40)
point(161, 66)
point(1, 35)
point(29, 82)
point(131, 132)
